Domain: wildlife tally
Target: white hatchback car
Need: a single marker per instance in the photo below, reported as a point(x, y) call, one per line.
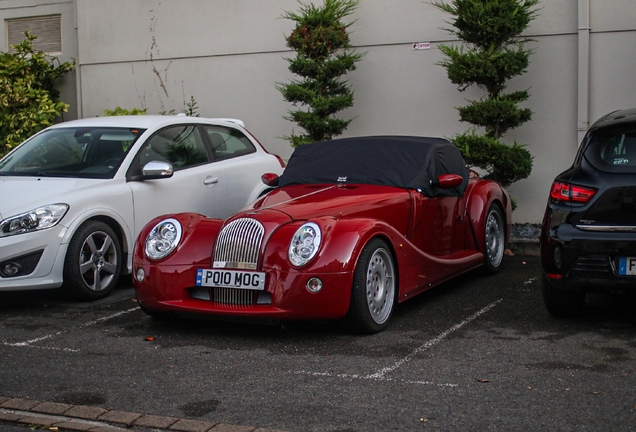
point(74, 197)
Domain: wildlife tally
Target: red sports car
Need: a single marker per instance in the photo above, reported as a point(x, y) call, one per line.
point(354, 227)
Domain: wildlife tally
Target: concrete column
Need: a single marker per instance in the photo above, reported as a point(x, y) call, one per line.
point(583, 122)
point(78, 69)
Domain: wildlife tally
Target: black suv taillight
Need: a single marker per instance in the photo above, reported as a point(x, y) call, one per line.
point(572, 193)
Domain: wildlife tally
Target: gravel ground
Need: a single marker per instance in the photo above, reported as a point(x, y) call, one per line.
point(525, 231)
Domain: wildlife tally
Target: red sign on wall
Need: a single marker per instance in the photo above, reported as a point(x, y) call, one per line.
point(421, 46)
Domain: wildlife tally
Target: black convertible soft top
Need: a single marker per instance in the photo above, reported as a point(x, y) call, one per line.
point(402, 161)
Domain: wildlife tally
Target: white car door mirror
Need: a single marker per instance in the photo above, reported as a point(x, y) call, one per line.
point(156, 170)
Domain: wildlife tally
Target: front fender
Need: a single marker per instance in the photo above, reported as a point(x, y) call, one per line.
point(335, 263)
point(195, 248)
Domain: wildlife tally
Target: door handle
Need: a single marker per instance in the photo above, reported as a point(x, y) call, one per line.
point(210, 180)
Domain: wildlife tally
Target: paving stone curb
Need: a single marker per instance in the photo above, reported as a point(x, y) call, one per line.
point(66, 417)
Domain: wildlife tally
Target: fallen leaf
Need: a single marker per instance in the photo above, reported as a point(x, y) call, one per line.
point(149, 338)
point(508, 252)
point(483, 381)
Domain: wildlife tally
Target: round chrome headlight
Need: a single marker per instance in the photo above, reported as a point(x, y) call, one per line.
point(304, 245)
point(163, 239)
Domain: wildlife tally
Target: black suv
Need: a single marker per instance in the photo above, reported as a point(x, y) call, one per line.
point(588, 236)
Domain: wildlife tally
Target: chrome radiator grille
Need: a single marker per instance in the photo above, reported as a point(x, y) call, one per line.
point(232, 296)
point(239, 243)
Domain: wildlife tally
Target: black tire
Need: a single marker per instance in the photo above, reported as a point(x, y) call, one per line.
point(561, 303)
point(494, 239)
point(374, 291)
point(93, 262)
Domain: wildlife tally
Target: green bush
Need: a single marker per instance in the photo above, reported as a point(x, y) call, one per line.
point(190, 109)
point(504, 163)
point(28, 100)
point(118, 111)
point(321, 42)
point(492, 53)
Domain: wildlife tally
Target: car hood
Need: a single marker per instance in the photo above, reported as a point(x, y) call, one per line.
point(22, 194)
point(301, 202)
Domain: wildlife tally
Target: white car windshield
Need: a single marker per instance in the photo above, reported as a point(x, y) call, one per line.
point(87, 152)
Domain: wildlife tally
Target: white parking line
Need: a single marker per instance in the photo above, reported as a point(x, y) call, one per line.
point(381, 374)
point(31, 343)
point(370, 377)
point(97, 321)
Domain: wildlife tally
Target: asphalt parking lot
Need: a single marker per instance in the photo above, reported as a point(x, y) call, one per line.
point(478, 353)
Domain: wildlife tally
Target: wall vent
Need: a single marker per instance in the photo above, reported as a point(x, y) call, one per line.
point(48, 30)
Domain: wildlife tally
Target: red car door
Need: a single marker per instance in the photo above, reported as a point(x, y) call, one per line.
point(438, 228)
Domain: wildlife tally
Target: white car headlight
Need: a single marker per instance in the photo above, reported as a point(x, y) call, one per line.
point(35, 220)
point(304, 245)
point(163, 239)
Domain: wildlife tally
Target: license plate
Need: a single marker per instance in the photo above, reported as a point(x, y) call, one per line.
point(627, 266)
point(221, 278)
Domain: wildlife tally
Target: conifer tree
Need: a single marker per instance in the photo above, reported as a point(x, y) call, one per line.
point(323, 56)
point(491, 54)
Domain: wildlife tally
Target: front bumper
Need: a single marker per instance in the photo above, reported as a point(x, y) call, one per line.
point(47, 272)
point(172, 288)
point(589, 260)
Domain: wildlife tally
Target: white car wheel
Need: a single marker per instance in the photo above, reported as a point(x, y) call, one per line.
point(93, 262)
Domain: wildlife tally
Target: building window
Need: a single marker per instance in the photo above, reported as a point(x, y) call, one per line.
point(48, 29)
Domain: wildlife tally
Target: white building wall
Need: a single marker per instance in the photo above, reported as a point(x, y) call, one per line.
point(228, 54)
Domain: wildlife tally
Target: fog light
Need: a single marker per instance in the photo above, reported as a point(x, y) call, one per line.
point(558, 256)
point(140, 275)
point(314, 285)
point(11, 269)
